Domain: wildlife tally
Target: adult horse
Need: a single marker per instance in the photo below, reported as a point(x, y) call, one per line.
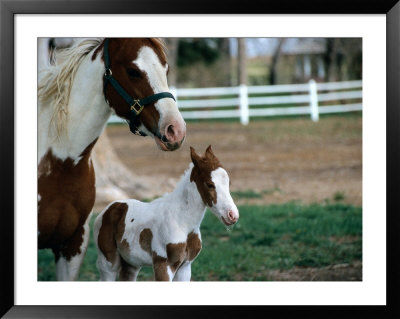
point(95, 78)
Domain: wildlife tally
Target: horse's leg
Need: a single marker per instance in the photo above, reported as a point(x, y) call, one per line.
point(184, 273)
point(162, 272)
point(109, 261)
point(70, 257)
point(128, 272)
point(108, 270)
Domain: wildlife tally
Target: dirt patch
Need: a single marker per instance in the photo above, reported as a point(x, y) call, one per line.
point(281, 159)
point(340, 272)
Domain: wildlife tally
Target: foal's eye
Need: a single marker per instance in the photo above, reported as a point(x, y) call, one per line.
point(133, 73)
point(210, 185)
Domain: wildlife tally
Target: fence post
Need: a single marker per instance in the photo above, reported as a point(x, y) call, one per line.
point(313, 100)
point(244, 104)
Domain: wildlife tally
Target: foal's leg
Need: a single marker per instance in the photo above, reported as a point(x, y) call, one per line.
point(128, 272)
point(162, 272)
point(184, 272)
point(108, 270)
point(69, 258)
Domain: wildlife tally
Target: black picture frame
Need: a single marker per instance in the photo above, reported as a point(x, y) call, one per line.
point(8, 10)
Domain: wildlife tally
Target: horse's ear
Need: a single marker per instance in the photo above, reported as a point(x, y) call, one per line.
point(194, 156)
point(209, 151)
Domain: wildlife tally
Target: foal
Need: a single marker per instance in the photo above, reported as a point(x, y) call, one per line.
point(164, 233)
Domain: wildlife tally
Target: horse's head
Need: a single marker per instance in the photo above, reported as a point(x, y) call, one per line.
point(212, 182)
point(140, 69)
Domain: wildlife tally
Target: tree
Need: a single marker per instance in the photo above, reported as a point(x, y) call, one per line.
point(330, 60)
point(225, 61)
point(203, 62)
point(274, 61)
point(351, 51)
point(192, 50)
point(172, 46)
point(242, 61)
point(343, 58)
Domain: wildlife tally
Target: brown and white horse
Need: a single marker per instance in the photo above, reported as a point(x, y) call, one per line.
point(164, 233)
point(75, 103)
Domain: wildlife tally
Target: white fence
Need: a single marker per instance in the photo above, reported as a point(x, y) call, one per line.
point(245, 102)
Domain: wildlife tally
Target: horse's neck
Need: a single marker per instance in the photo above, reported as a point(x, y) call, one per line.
point(88, 114)
point(190, 212)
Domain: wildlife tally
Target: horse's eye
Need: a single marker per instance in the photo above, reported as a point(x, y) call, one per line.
point(210, 185)
point(135, 74)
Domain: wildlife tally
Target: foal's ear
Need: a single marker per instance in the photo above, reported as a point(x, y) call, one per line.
point(209, 151)
point(194, 156)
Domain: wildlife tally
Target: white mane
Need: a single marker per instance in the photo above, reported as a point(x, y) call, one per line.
point(180, 186)
point(182, 183)
point(55, 82)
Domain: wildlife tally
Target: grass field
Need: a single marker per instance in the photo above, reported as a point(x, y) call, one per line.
point(266, 238)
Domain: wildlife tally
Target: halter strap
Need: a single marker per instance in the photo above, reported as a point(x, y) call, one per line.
point(136, 105)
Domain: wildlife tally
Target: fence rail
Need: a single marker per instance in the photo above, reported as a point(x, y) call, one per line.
point(289, 99)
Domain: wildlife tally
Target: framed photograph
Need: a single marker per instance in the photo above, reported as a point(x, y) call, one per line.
point(26, 293)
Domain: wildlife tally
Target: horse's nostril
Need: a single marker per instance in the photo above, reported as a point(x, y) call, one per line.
point(164, 139)
point(170, 131)
point(174, 133)
point(232, 216)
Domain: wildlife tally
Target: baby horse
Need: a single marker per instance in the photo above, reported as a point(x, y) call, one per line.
point(164, 233)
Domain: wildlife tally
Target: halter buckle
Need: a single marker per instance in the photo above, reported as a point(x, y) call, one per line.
point(108, 73)
point(140, 107)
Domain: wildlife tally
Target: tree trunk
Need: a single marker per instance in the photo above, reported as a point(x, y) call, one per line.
point(225, 62)
point(330, 60)
point(274, 62)
point(242, 61)
point(172, 45)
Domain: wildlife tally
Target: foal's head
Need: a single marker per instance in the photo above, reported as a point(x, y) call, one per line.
point(212, 182)
point(140, 67)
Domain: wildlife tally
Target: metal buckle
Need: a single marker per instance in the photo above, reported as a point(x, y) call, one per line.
point(108, 72)
point(139, 105)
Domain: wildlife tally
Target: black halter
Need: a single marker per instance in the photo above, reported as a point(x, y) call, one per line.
point(136, 105)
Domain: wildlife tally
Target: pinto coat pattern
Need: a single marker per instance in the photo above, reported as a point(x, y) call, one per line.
point(164, 233)
point(72, 114)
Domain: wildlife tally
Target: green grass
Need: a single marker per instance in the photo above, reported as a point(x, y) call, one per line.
point(338, 196)
point(247, 194)
point(265, 238)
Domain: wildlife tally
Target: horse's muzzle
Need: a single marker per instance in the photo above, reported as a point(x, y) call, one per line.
point(165, 145)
